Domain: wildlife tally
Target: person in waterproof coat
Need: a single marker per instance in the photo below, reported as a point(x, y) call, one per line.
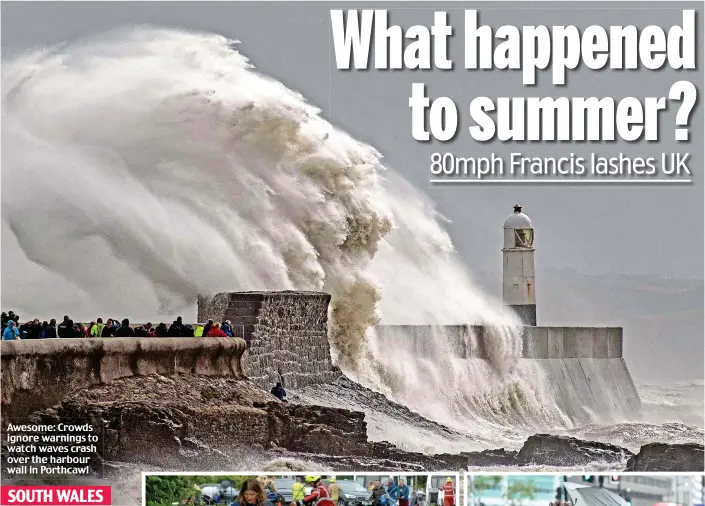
point(279, 392)
point(448, 492)
point(319, 496)
point(49, 331)
point(403, 493)
point(378, 491)
point(11, 332)
point(177, 328)
point(125, 330)
point(251, 494)
point(392, 489)
point(215, 331)
point(65, 328)
point(225, 327)
point(298, 489)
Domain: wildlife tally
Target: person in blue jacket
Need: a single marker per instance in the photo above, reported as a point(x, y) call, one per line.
point(403, 493)
point(11, 332)
point(393, 490)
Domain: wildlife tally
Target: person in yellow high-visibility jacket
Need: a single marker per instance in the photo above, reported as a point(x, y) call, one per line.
point(97, 329)
point(334, 489)
point(298, 489)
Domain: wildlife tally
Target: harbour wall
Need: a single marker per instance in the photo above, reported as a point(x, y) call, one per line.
point(470, 341)
point(583, 366)
point(38, 374)
point(286, 334)
point(286, 340)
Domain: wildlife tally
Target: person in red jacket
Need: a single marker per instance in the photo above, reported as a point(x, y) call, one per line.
point(215, 331)
point(448, 493)
point(319, 496)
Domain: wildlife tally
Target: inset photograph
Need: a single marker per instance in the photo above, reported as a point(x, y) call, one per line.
point(313, 489)
point(585, 490)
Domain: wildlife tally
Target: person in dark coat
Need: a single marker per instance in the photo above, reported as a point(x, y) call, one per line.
point(177, 328)
point(65, 328)
point(125, 330)
point(207, 328)
point(109, 329)
point(49, 331)
point(279, 392)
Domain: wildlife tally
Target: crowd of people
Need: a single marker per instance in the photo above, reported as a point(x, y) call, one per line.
point(12, 329)
point(312, 490)
point(399, 493)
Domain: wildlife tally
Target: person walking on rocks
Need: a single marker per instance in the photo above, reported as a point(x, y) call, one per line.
point(279, 392)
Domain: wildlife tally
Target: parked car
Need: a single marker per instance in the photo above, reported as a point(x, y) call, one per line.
point(352, 493)
point(212, 494)
point(285, 488)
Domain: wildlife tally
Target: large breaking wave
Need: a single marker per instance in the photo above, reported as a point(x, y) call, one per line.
point(150, 166)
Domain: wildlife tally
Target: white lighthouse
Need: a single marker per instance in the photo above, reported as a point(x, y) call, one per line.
point(518, 285)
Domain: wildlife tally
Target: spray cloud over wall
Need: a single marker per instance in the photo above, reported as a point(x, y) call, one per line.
point(155, 165)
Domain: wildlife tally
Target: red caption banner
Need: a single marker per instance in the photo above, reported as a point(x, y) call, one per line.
point(45, 495)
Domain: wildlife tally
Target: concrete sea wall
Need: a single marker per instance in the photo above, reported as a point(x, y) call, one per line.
point(38, 374)
point(469, 341)
point(286, 338)
point(583, 366)
point(572, 342)
point(591, 388)
point(286, 332)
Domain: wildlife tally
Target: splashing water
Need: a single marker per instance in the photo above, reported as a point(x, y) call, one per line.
point(159, 164)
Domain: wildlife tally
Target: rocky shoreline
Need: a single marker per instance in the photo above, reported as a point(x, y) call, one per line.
point(200, 423)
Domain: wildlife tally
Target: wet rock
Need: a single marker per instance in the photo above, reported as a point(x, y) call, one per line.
point(547, 449)
point(368, 400)
point(490, 458)
point(149, 421)
point(665, 457)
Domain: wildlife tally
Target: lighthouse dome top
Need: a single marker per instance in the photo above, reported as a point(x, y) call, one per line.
point(518, 219)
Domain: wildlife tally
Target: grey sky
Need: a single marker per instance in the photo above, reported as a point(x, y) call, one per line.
point(596, 231)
